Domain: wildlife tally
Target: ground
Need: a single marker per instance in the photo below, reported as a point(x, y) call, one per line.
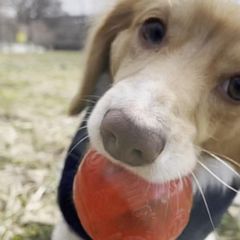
point(35, 91)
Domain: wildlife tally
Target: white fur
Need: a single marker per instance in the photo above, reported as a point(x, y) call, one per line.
point(206, 180)
point(62, 232)
point(212, 236)
point(141, 102)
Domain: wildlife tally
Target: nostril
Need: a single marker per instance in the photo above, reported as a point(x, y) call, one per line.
point(110, 138)
point(137, 154)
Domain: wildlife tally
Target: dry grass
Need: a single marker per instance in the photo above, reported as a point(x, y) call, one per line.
point(35, 91)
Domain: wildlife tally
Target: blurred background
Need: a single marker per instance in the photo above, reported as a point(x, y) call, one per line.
point(45, 24)
point(41, 44)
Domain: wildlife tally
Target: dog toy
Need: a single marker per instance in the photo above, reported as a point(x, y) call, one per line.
point(115, 204)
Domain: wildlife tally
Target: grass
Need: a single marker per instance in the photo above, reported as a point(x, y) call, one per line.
point(35, 91)
point(35, 231)
point(230, 228)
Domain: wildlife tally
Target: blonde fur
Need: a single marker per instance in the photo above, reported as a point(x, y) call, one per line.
point(63, 232)
point(175, 87)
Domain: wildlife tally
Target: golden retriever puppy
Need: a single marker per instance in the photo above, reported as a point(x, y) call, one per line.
point(174, 67)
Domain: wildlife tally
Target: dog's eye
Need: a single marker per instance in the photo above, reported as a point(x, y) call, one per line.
point(232, 88)
point(153, 32)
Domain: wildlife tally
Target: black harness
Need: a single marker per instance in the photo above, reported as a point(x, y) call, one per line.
point(219, 199)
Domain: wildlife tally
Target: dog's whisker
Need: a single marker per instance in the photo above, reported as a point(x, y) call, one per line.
point(77, 144)
point(228, 159)
point(95, 155)
point(93, 96)
point(82, 128)
point(89, 101)
point(86, 118)
point(88, 113)
point(222, 161)
point(168, 193)
point(214, 154)
point(220, 158)
point(204, 200)
point(212, 137)
point(216, 177)
point(177, 199)
point(180, 179)
point(85, 121)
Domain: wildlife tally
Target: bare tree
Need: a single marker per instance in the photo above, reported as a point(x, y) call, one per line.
point(29, 10)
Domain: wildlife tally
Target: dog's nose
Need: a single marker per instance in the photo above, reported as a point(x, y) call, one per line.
point(128, 142)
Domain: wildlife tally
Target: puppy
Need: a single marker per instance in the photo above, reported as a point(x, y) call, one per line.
point(173, 100)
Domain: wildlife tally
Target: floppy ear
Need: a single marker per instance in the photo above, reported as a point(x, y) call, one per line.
point(98, 52)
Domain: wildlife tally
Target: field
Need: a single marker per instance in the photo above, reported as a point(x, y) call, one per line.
point(35, 131)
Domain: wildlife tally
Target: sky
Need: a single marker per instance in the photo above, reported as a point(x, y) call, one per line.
point(76, 7)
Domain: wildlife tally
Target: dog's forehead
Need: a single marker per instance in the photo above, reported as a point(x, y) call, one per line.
point(221, 6)
point(212, 26)
point(226, 10)
point(218, 16)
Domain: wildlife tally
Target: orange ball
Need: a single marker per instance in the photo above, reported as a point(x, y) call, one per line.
point(115, 204)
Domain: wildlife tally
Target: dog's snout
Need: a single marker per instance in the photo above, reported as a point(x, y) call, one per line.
point(129, 142)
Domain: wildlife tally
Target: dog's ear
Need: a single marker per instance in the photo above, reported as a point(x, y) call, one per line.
point(98, 51)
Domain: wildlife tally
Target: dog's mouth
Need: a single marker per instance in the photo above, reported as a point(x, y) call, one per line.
point(143, 135)
point(145, 151)
point(145, 209)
